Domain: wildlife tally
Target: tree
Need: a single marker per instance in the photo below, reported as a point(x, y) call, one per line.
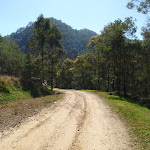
point(11, 58)
point(79, 72)
point(141, 5)
point(54, 49)
point(111, 55)
point(31, 67)
point(64, 74)
point(37, 40)
point(97, 47)
point(45, 44)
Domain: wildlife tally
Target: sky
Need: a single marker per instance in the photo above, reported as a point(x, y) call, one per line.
point(79, 14)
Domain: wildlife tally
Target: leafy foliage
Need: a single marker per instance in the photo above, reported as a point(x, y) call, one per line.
point(11, 58)
point(141, 5)
point(45, 45)
point(114, 63)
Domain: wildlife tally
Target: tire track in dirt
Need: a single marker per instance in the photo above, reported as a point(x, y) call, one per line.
point(70, 115)
point(81, 121)
point(80, 125)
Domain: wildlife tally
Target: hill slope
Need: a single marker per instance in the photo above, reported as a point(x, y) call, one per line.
point(74, 41)
point(13, 88)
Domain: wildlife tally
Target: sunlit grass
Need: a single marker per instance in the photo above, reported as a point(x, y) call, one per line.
point(11, 90)
point(136, 116)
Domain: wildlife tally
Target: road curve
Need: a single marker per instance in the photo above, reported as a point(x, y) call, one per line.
point(81, 121)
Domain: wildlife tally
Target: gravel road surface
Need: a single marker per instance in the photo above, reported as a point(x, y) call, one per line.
point(81, 121)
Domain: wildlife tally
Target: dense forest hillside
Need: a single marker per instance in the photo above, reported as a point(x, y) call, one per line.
point(73, 41)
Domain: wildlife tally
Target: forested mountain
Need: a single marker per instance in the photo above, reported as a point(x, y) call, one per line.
point(73, 41)
point(113, 62)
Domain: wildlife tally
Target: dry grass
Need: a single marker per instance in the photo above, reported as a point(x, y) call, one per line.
point(11, 90)
point(8, 79)
point(15, 112)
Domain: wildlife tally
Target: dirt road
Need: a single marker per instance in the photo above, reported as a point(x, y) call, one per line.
point(81, 121)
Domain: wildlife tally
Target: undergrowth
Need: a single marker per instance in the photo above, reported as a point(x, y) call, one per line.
point(12, 88)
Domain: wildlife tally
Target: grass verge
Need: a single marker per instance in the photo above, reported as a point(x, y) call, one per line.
point(12, 89)
point(136, 116)
point(14, 112)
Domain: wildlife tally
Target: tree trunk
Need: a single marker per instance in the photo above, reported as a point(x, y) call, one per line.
point(108, 79)
point(42, 65)
point(52, 77)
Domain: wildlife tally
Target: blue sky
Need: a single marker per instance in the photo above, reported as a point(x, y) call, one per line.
point(90, 14)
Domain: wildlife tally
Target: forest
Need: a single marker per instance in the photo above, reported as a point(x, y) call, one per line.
point(113, 61)
point(73, 41)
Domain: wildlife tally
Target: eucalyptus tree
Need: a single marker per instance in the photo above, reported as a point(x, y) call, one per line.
point(45, 45)
point(79, 72)
point(141, 5)
point(11, 58)
point(65, 74)
point(115, 35)
point(97, 47)
point(54, 51)
point(111, 54)
point(38, 39)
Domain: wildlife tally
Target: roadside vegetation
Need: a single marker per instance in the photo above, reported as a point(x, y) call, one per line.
point(115, 61)
point(13, 113)
point(20, 99)
point(27, 80)
point(13, 88)
point(135, 116)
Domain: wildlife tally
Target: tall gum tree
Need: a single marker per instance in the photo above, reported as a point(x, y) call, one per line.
point(141, 5)
point(45, 42)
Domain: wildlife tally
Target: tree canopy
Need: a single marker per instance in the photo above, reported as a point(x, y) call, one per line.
point(142, 6)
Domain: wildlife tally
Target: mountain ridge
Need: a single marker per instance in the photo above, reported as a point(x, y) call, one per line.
point(74, 41)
